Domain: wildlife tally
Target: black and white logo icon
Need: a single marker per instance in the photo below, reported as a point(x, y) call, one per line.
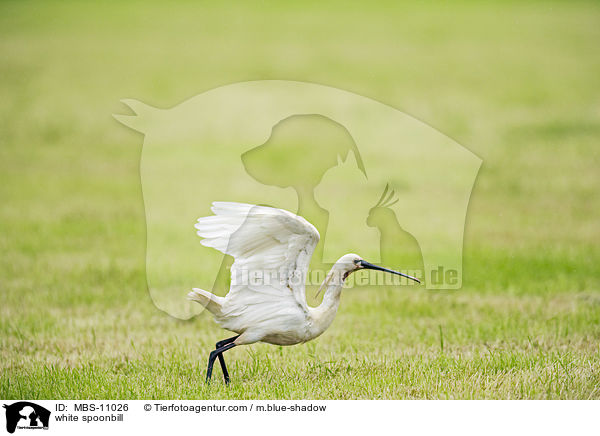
point(26, 415)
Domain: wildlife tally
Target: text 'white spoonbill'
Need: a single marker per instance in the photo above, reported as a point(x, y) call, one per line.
point(266, 302)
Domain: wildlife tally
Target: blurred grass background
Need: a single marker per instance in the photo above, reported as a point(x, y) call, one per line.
point(516, 83)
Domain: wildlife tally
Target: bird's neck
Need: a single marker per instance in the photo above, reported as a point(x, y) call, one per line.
point(324, 314)
point(331, 299)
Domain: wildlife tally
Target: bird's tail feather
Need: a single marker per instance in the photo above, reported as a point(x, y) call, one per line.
point(212, 302)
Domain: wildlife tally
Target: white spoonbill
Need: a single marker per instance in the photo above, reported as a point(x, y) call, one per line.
point(266, 302)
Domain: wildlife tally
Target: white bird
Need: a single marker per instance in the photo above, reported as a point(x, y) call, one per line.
point(266, 302)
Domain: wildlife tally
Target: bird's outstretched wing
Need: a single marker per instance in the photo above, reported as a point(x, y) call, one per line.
point(271, 248)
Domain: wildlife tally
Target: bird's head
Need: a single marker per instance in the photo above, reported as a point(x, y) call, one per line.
point(351, 262)
point(347, 264)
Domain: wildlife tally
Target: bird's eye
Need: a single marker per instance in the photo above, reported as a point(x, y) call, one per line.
point(356, 261)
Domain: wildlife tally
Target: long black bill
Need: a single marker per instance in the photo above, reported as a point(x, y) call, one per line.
point(368, 265)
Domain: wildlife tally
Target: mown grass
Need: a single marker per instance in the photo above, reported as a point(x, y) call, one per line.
point(390, 345)
point(516, 83)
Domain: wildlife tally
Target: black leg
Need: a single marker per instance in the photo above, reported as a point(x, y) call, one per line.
point(222, 359)
point(224, 368)
point(212, 357)
point(226, 341)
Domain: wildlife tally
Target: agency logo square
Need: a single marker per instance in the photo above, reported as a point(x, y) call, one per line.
point(25, 415)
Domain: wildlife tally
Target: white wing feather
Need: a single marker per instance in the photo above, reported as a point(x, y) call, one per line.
point(262, 240)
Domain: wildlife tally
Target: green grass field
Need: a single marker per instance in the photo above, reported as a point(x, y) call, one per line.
point(516, 83)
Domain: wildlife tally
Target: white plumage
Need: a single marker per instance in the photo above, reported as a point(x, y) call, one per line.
point(274, 248)
point(266, 302)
